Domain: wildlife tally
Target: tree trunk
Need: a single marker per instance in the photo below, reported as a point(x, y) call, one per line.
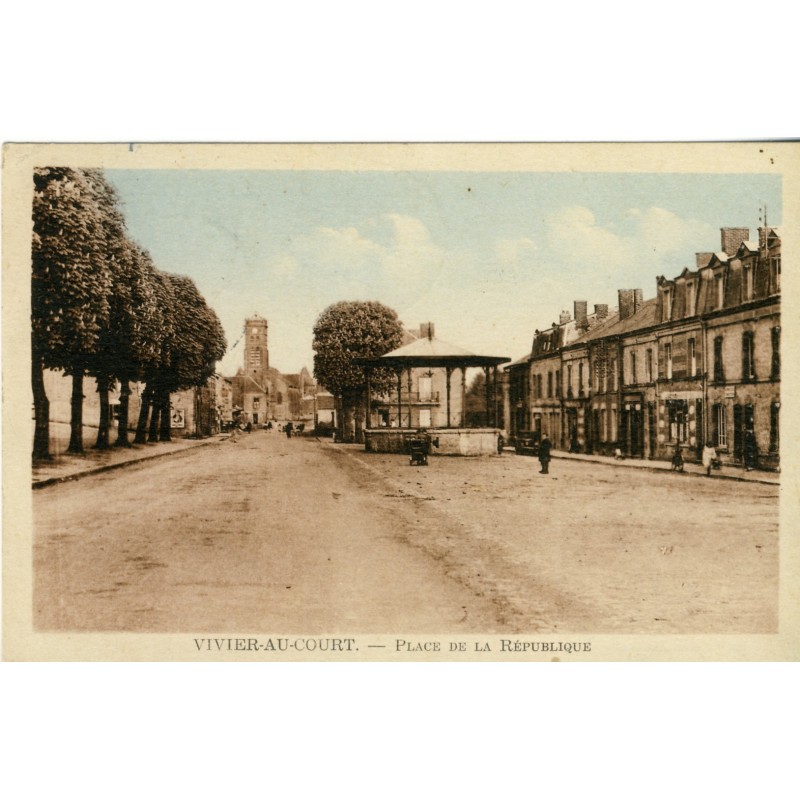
point(41, 406)
point(103, 424)
point(141, 425)
point(76, 413)
point(166, 418)
point(155, 416)
point(124, 403)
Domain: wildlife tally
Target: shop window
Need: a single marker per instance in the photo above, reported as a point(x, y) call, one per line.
point(720, 425)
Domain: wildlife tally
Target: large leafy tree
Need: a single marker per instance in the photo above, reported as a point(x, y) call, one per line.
point(344, 332)
point(70, 290)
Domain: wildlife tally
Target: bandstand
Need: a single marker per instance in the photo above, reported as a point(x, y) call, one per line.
point(392, 420)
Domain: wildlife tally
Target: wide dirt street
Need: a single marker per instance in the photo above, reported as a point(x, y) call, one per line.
point(274, 535)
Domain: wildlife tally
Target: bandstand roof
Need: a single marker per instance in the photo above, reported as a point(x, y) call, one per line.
point(428, 351)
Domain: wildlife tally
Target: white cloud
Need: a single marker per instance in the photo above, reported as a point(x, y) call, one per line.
point(658, 240)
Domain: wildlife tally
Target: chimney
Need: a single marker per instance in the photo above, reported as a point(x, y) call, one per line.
point(638, 300)
point(625, 303)
point(731, 238)
point(580, 314)
point(564, 317)
point(701, 259)
point(600, 311)
point(426, 330)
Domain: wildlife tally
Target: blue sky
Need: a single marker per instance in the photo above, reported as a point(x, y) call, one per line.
point(488, 257)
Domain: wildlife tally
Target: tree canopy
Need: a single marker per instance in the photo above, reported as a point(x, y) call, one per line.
point(346, 331)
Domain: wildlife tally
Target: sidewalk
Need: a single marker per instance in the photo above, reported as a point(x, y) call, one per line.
point(727, 472)
point(65, 467)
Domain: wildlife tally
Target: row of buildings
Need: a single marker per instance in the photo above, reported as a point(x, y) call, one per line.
point(698, 362)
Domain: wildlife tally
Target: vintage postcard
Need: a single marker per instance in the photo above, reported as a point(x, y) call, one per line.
point(463, 402)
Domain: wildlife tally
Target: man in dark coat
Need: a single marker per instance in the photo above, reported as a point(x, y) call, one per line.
point(544, 454)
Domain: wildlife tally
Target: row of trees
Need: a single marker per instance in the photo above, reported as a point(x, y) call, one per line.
point(100, 308)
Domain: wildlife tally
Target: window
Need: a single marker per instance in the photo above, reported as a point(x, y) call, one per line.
point(569, 380)
point(668, 361)
point(719, 371)
point(748, 356)
point(613, 370)
point(649, 365)
point(776, 354)
point(255, 358)
point(692, 358)
point(558, 383)
point(690, 299)
point(549, 384)
point(668, 303)
point(720, 291)
point(748, 283)
point(720, 425)
point(580, 379)
point(677, 411)
point(424, 389)
point(776, 271)
point(774, 427)
point(633, 366)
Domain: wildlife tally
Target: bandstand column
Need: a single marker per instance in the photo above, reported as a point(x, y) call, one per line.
point(408, 384)
point(487, 386)
point(399, 397)
point(368, 375)
point(463, 397)
point(448, 372)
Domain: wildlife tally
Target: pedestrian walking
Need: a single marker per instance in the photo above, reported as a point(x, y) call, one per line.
point(288, 427)
point(677, 459)
point(709, 457)
point(544, 454)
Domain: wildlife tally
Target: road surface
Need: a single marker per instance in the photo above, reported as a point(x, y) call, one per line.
point(272, 535)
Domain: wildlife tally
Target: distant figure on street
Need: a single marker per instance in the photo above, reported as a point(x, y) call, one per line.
point(269, 426)
point(677, 459)
point(618, 453)
point(750, 450)
point(289, 427)
point(544, 454)
point(709, 457)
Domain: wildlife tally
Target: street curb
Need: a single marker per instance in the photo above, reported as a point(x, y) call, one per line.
point(647, 468)
point(119, 465)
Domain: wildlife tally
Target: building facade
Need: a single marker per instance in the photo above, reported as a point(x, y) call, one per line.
point(699, 362)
